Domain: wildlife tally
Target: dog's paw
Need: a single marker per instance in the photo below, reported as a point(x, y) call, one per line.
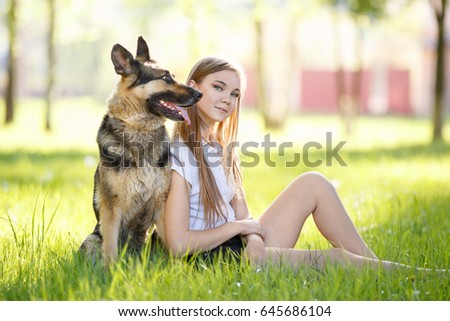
point(91, 248)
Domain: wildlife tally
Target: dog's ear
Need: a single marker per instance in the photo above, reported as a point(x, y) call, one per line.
point(123, 61)
point(142, 54)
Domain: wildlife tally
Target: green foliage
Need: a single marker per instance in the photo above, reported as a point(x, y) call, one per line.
point(395, 188)
point(371, 8)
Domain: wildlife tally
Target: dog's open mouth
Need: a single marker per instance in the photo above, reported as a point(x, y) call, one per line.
point(176, 110)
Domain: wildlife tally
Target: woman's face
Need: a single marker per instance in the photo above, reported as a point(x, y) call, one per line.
point(221, 91)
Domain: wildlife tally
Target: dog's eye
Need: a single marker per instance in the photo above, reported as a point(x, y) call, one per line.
point(166, 78)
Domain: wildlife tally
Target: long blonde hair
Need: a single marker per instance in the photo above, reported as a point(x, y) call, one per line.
point(226, 134)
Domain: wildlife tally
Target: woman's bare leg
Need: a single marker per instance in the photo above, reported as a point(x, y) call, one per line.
point(258, 255)
point(311, 193)
point(319, 258)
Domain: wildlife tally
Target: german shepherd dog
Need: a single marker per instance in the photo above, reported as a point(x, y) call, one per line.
point(132, 178)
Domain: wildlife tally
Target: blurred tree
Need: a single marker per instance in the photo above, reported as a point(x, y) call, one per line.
point(261, 97)
point(10, 85)
point(362, 12)
point(188, 8)
point(51, 64)
point(275, 57)
point(439, 7)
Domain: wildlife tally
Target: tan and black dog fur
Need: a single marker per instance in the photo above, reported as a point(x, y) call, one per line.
point(132, 178)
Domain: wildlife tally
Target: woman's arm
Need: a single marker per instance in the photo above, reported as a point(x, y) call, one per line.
point(239, 204)
point(181, 240)
point(254, 242)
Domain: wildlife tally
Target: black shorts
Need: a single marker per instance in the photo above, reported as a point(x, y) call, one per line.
point(229, 249)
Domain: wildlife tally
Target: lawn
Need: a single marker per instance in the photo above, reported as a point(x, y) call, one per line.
point(395, 185)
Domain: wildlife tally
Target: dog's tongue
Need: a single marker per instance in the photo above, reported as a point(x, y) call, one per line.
point(183, 112)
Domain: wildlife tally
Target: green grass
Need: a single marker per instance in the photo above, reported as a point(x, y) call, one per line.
point(395, 187)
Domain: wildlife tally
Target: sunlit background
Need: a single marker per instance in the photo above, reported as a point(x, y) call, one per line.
point(334, 57)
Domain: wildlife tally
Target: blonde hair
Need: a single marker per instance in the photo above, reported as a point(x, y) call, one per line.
point(226, 134)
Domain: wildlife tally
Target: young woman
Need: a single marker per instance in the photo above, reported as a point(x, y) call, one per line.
point(206, 208)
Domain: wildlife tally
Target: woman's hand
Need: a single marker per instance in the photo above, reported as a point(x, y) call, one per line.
point(255, 249)
point(250, 226)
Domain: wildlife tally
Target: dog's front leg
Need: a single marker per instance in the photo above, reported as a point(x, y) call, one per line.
point(110, 228)
point(160, 226)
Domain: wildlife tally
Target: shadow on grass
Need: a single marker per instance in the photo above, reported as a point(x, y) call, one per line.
point(13, 157)
point(33, 167)
point(404, 152)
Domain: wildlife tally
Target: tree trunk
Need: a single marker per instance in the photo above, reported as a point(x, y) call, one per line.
point(51, 65)
point(357, 76)
point(261, 97)
point(189, 9)
point(344, 95)
point(10, 85)
point(440, 73)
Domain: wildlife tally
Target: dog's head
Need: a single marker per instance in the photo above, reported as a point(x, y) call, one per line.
point(154, 88)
